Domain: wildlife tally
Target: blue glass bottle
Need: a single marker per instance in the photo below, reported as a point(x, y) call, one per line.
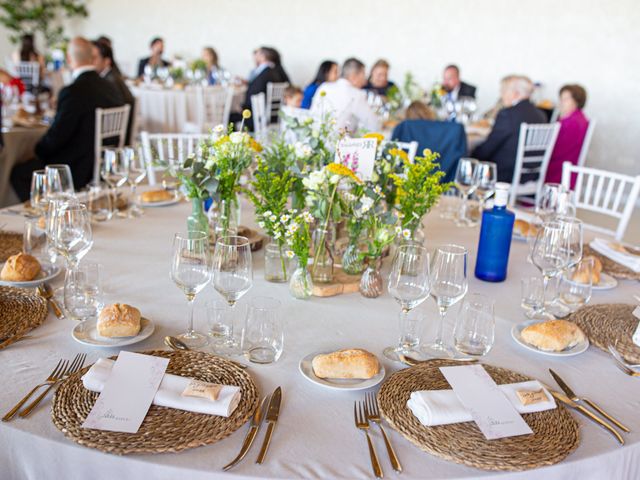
point(495, 238)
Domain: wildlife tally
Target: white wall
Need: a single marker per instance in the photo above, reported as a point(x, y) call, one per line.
point(587, 41)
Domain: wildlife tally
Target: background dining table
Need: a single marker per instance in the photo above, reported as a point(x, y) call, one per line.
point(315, 436)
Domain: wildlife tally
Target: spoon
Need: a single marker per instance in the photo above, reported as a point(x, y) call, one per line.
point(177, 344)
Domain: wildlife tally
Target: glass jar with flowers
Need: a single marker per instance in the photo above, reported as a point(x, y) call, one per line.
point(381, 230)
point(298, 239)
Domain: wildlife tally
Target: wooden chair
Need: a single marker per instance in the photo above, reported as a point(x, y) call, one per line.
point(110, 123)
point(173, 148)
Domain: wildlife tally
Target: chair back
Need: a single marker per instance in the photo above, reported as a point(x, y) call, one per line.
point(110, 123)
point(259, 114)
point(410, 147)
point(173, 148)
point(535, 145)
point(275, 99)
point(29, 73)
point(214, 106)
point(584, 150)
point(607, 193)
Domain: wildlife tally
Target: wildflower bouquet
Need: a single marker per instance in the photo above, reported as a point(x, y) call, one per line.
point(315, 138)
point(298, 236)
point(436, 94)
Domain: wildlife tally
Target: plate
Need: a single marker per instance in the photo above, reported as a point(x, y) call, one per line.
point(575, 350)
point(607, 282)
point(47, 272)
point(337, 384)
point(163, 203)
point(87, 334)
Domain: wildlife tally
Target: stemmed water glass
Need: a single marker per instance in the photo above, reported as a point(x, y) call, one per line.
point(553, 200)
point(409, 285)
point(115, 173)
point(574, 246)
point(137, 173)
point(190, 272)
point(59, 180)
point(448, 286)
point(485, 178)
point(39, 191)
point(466, 183)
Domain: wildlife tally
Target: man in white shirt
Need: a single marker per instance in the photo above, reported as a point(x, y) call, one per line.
point(346, 99)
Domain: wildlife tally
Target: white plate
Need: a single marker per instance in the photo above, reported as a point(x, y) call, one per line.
point(337, 384)
point(163, 203)
point(87, 334)
point(575, 350)
point(47, 272)
point(607, 282)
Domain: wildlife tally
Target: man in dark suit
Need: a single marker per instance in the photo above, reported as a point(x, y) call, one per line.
point(455, 87)
point(70, 138)
point(502, 144)
point(155, 59)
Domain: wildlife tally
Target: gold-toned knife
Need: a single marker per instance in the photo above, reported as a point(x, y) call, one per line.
point(567, 401)
point(256, 420)
point(271, 419)
point(566, 389)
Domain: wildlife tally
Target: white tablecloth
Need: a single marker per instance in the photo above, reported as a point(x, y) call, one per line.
point(169, 111)
point(315, 437)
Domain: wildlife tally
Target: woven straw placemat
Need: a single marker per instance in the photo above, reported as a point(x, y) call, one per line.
point(555, 431)
point(21, 310)
point(10, 244)
point(612, 268)
point(610, 324)
point(163, 429)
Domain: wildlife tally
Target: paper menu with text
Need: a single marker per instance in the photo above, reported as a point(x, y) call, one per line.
point(494, 414)
point(359, 154)
point(128, 393)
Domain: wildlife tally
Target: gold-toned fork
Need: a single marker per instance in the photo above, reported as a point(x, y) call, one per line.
point(45, 291)
point(373, 415)
point(58, 370)
point(76, 365)
point(363, 424)
point(624, 368)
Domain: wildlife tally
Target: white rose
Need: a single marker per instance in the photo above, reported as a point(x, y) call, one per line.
point(236, 137)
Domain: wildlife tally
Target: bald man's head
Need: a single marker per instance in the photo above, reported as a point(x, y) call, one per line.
point(80, 52)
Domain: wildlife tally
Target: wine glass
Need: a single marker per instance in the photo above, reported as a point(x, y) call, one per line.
point(474, 333)
point(59, 179)
point(115, 173)
point(137, 173)
point(573, 231)
point(485, 178)
point(232, 268)
point(190, 272)
point(448, 286)
point(554, 200)
point(72, 235)
point(409, 285)
point(465, 182)
point(550, 254)
point(39, 191)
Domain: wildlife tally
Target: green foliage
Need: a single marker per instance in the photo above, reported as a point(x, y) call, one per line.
point(30, 16)
point(198, 64)
point(298, 236)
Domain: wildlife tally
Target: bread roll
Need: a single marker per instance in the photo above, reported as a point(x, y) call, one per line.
point(581, 275)
point(153, 196)
point(553, 336)
point(350, 363)
point(119, 320)
point(521, 227)
point(20, 268)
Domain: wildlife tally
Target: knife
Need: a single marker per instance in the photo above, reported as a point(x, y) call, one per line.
point(256, 420)
point(566, 389)
point(567, 401)
point(272, 418)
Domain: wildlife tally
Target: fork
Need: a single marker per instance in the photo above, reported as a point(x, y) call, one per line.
point(363, 424)
point(625, 369)
point(76, 365)
point(45, 291)
point(616, 354)
point(53, 376)
point(372, 413)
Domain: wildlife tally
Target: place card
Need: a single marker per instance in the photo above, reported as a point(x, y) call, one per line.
point(128, 393)
point(494, 414)
point(359, 154)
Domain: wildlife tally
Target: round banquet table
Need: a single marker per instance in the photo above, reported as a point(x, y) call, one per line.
point(315, 436)
point(163, 110)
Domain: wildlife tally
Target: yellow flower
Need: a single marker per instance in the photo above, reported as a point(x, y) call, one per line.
point(323, 93)
point(255, 146)
point(339, 169)
point(222, 139)
point(397, 152)
point(246, 114)
point(426, 152)
point(377, 136)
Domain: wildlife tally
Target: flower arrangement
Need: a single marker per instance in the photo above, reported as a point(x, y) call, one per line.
point(315, 138)
point(418, 191)
point(436, 94)
point(298, 236)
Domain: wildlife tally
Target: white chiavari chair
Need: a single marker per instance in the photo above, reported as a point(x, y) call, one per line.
point(607, 193)
point(214, 106)
point(173, 148)
point(29, 73)
point(259, 115)
point(275, 99)
point(110, 123)
point(586, 143)
point(535, 145)
point(410, 147)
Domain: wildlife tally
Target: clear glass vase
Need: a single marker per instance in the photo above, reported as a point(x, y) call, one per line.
point(276, 264)
point(225, 217)
point(352, 261)
point(323, 258)
point(371, 280)
point(301, 284)
point(197, 221)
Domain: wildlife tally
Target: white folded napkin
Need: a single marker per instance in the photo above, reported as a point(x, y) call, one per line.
point(626, 259)
point(442, 407)
point(170, 392)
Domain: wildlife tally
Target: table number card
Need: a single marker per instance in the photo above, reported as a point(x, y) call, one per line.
point(128, 393)
point(359, 154)
point(488, 406)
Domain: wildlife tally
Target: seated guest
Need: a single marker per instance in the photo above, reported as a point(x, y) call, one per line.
point(70, 138)
point(292, 97)
point(107, 41)
point(27, 51)
point(378, 81)
point(155, 59)
point(502, 144)
point(346, 100)
point(328, 72)
point(274, 57)
point(491, 114)
point(214, 72)
point(573, 128)
point(418, 110)
point(454, 87)
point(108, 69)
